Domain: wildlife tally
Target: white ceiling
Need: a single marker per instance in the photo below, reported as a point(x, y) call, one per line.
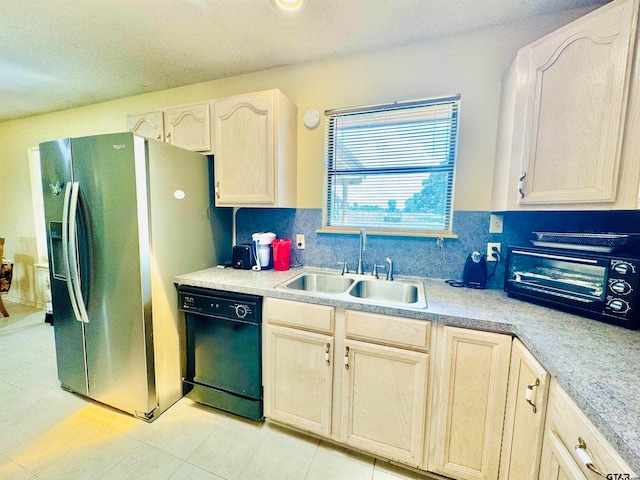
point(58, 54)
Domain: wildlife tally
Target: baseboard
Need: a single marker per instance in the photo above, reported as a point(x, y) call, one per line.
point(22, 301)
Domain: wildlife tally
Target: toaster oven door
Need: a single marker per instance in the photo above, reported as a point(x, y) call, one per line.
point(572, 280)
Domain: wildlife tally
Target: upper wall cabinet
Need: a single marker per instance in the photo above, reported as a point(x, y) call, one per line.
point(255, 150)
point(186, 126)
point(148, 125)
point(569, 115)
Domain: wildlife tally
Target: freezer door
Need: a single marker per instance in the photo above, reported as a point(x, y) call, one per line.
point(114, 252)
point(56, 167)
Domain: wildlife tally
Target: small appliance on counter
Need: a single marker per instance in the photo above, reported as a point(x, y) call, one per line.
point(474, 274)
point(600, 284)
point(242, 257)
point(281, 253)
point(262, 247)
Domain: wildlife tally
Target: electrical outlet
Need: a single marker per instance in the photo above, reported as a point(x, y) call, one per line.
point(490, 253)
point(300, 241)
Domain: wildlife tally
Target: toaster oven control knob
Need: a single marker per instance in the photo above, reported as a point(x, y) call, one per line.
point(241, 310)
point(623, 268)
point(618, 305)
point(620, 287)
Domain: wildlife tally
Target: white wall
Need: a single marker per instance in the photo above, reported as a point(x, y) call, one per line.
point(471, 64)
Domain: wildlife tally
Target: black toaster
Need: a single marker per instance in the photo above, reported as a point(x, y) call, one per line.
point(242, 257)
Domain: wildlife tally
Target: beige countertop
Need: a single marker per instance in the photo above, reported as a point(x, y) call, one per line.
point(597, 364)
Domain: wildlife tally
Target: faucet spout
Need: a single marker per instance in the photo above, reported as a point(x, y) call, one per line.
point(362, 247)
point(389, 268)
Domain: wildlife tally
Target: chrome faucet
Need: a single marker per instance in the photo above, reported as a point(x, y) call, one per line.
point(362, 248)
point(389, 269)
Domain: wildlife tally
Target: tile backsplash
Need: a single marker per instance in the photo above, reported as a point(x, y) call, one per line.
point(417, 256)
point(421, 256)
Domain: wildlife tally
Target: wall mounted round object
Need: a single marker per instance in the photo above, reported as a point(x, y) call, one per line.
point(311, 118)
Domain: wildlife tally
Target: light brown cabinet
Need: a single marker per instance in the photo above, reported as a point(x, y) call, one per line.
point(298, 364)
point(379, 367)
point(566, 138)
point(384, 385)
point(299, 379)
point(462, 403)
point(255, 150)
point(468, 406)
point(148, 125)
point(185, 126)
point(188, 126)
point(572, 448)
point(524, 418)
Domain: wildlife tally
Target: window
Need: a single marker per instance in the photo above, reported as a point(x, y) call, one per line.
point(391, 167)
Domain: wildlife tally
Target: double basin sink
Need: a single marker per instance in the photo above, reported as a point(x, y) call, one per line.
point(360, 288)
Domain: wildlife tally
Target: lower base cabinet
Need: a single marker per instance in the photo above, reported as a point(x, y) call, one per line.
point(375, 379)
point(383, 400)
point(467, 412)
point(432, 397)
point(297, 357)
point(525, 415)
point(298, 391)
point(572, 448)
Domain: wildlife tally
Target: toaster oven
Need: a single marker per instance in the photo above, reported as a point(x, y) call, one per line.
point(600, 285)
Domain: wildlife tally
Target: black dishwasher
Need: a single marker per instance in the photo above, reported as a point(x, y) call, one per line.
point(223, 345)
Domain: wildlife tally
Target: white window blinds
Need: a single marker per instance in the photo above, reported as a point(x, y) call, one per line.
point(391, 167)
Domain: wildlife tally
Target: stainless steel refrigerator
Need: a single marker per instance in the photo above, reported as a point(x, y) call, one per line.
point(124, 216)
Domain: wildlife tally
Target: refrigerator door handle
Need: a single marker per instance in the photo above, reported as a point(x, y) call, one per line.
point(73, 254)
point(65, 249)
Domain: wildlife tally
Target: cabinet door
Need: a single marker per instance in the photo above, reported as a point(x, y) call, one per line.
point(576, 102)
point(148, 125)
point(384, 400)
point(573, 447)
point(298, 376)
point(245, 149)
point(467, 411)
point(188, 126)
point(525, 413)
point(557, 463)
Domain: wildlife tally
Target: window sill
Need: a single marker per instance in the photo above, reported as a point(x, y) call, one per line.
point(387, 233)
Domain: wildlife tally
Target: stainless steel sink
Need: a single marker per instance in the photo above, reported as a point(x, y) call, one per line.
point(360, 288)
point(396, 292)
point(318, 282)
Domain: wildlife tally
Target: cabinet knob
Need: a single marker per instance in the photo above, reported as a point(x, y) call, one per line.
point(529, 394)
point(326, 354)
point(583, 456)
point(168, 138)
point(346, 358)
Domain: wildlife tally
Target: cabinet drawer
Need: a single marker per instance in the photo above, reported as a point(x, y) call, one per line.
point(567, 424)
point(306, 316)
point(383, 329)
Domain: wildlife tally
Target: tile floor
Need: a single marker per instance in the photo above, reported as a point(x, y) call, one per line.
point(46, 433)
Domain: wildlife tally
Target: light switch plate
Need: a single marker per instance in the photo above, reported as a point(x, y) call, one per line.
point(495, 224)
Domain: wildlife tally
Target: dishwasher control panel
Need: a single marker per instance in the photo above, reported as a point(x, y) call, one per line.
point(221, 305)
